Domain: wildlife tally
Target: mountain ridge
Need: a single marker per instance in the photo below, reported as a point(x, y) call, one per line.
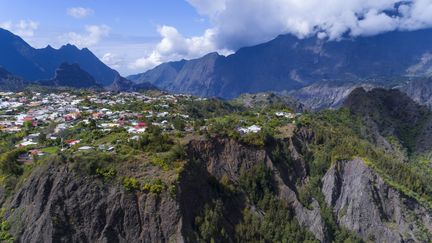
point(19, 58)
point(288, 63)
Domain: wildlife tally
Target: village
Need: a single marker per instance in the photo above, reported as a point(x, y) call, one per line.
point(46, 123)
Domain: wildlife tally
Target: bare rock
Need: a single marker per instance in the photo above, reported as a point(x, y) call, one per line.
point(365, 204)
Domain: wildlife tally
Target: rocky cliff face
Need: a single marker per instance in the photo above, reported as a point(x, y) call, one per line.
point(229, 159)
point(327, 95)
point(365, 204)
point(57, 204)
point(323, 95)
point(420, 90)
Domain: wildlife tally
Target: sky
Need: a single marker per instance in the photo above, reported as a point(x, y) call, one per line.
point(133, 36)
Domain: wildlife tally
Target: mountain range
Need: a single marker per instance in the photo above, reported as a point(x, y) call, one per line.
point(67, 66)
point(317, 72)
point(288, 63)
point(32, 64)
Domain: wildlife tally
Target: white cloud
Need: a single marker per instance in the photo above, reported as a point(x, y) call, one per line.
point(148, 62)
point(174, 46)
point(112, 60)
point(92, 36)
point(239, 23)
point(23, 28)
point(79, 12)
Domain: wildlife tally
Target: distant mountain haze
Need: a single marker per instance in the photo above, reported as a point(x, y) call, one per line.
point(288, 63)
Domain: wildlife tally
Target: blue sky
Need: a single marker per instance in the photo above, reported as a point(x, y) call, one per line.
point(128, 17)
point(135, 35)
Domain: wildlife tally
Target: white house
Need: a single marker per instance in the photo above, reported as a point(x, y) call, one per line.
point(251, 129)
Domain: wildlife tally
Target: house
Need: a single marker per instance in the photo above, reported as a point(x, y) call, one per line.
point(135, 138)
point(61, 127)
point(25, 144)
point(137, 130)
point(72, 116)
point(140, 125)
point(97, 115)
point(251, 129)
point(109, 125)
point(162, 114)
point(72, 142)
point(107, 148)
point(37, 152)
point(83, 148)
point(11, 129)
point(285, 114)
point(32, 137)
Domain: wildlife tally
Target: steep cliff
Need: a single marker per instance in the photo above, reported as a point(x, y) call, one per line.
point(56, 204)
point(365, 204)
point(224, 183)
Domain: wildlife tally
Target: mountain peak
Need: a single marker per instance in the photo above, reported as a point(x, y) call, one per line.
point(40, 64)
point(49, 47)
point(71, 75)
point(69, 47)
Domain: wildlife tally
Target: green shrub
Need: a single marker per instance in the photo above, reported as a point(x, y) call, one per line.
point(5, 236)
point(156, 186)
point(9, 164)
point(131, 184)
point(106, 173)
point(158, 161)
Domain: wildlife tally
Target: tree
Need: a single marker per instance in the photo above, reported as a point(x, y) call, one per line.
point(42, 139)
point(9, 164)
point(179, 124)
point(27, 125)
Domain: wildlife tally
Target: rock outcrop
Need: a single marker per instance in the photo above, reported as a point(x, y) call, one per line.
point(320, 96)
point(228, 158)
point(57, 205)
point(365, 204)
point(70, 75)
point(420, 90)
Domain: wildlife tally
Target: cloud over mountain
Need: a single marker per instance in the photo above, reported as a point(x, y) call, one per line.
point(23, 28)
point(92, 35)
point(174, 46)
point(238, 23)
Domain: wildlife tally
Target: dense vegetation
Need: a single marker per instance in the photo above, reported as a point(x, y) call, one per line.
point(338, 136)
